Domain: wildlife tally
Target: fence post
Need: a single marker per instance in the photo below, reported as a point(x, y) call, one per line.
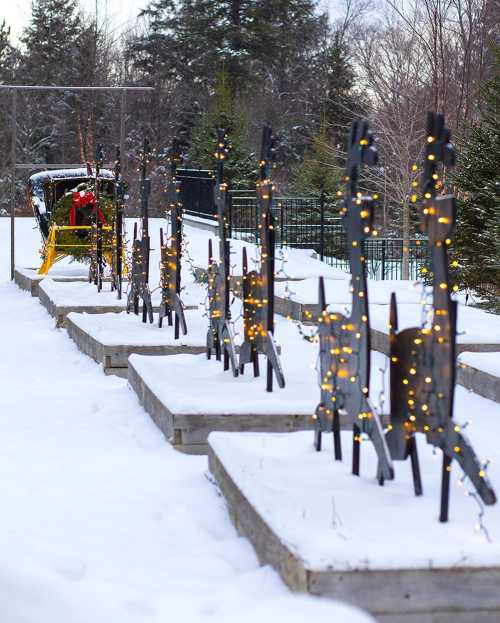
point(229, 199)
point(257, 220)
point(13, 156)
point(282, 221)
point(383, 258)
point(322, 225)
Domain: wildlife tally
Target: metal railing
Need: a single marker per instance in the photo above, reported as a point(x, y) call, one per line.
point(384, 258)
point(313, 223)
point(302, 222)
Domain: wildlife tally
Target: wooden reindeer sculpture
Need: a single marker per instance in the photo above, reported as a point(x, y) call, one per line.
point(344, 356)
point(139, 279)
point(96, 269)
point(423, 358)
point(220, 338)
point(171, 253)
point(258, 286)
point(118, 248)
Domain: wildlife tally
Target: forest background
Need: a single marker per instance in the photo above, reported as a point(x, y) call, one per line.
point(242, 62)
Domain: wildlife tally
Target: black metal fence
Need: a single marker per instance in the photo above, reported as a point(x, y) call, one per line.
point(302, 222)
point(197, 192)
point(384, 258)
point(312, 223)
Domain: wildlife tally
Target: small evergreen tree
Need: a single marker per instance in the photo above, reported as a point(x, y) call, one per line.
point(322, 166)
point(477, 178)
point(224, 112)
point(341, 104)
point(319, 171)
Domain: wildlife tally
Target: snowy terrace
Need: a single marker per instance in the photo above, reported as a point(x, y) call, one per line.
point(102, 520)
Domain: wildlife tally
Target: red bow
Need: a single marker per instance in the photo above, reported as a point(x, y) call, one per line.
point(82, 199)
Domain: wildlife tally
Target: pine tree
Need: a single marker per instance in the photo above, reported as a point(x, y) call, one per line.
point(284, 33)
point(8, 62)
point(320, 170)
point(477, 178)
point(50, 57)
point(51, 42)
point(186, 39)
point(224, 112)
point(63, 47)
point(7, 54)
point(322, 165)
point(266, 48)
point(340, 103)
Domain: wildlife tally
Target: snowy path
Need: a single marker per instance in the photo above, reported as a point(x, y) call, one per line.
point(100, 520)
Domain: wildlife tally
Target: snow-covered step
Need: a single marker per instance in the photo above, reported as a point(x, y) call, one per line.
point(380, 548)
point(299, 300)
point(29, 279)
point(201, 276)
point(297, 264)
point(300, 266)
point(480, 373)
point(477, 330)
point(112, 337)
point(189, 396)
point(60, 299)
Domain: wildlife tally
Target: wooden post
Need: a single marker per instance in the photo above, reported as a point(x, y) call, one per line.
point(322, 225)
point(13, 183)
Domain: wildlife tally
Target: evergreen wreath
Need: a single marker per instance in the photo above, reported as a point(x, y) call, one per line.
point(61, 216)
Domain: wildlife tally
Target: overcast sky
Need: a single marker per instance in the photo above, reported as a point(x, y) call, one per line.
point(122, 12)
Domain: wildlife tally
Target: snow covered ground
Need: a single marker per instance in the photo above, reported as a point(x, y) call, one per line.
point(84, 294)
point(474, 325)
point(101, 520)
point(338, 292)
point(118, 329)
point(486, 362)
point(316, 506)
point(219, 393)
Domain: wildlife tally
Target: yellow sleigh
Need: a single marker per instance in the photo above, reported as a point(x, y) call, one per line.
point(44, 190)
point(53, 251)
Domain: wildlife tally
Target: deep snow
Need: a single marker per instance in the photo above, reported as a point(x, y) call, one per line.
point(101, 520)
point(486, 362)
point(117, 329)
point(331, 519)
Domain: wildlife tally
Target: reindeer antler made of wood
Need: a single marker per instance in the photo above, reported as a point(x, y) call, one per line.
point(344, 356)
point(139, 279)
point(258, 286)
point(220, 338)
point(171, 251)
point(423, 361)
